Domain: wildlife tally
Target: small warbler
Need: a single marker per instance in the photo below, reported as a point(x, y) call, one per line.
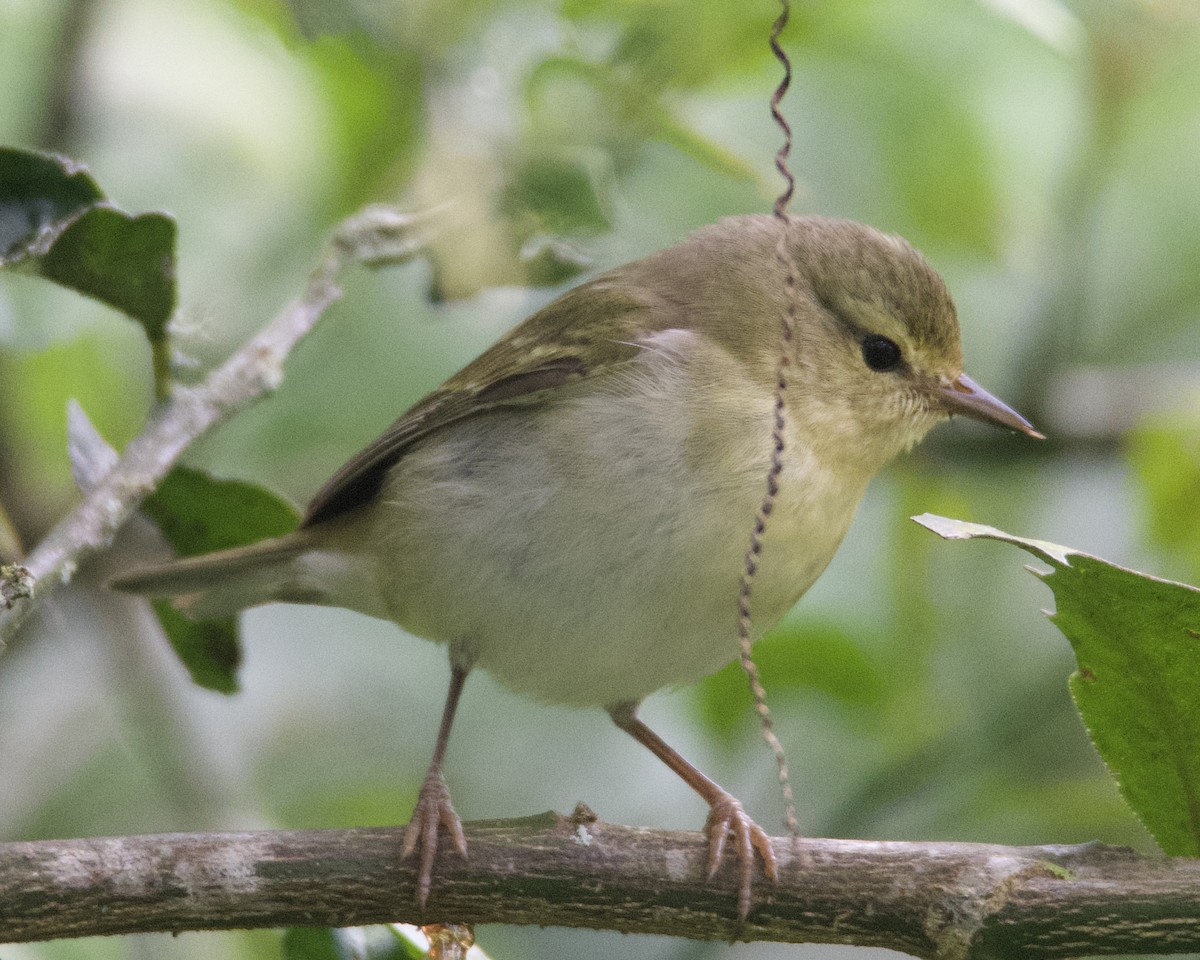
point(571, 510)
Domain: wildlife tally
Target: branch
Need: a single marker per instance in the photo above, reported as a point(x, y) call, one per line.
point(949, 901)
point(376, 236)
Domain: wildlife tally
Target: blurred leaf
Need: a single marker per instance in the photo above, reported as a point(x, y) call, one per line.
point(312, 943)
point(792, 657)
point(323, 943)
point(370, 71)
point(1008, 809)
point(125, 261)
point(197, 514)
point(1137, 641)
point(376, 101)
point(55, 221)
point(210, 649)
point(91, 369)
point(38, 194)
point(549, 262)
point(683, 43)
point(315, 18)
point(403, 949)
point(930, 147)
point(691, 142)
point(626, 108)
point(54, 216)
point(557, 195)
point(1166, 457)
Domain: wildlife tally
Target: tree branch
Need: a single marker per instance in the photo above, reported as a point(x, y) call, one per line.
point(376, 235)
point(949, 901)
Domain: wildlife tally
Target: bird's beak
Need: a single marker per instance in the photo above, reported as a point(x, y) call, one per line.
point(967, 397)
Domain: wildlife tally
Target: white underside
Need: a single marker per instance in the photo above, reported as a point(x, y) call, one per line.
point(589, 555)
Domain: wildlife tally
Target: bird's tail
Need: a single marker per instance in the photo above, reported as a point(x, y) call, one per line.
point(224, 582)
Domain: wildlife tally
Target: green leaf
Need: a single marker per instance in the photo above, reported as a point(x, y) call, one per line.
point(323, 943)
point(312, 943)
point(1137, 642)
point(39, 192)
point(558, 195)
point(375, 95)
point(125, 261)
point(198, 513)
point(548, 263)
point(403, 948)
point(683, 44)
point(55, 221)
point(55, 217)
point(210, 649)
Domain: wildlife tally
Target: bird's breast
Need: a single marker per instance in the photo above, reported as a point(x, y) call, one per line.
point(590, 550)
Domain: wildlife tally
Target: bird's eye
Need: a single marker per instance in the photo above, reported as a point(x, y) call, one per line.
point(880, 353)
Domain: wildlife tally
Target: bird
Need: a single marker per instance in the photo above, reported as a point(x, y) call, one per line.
point(570, 511)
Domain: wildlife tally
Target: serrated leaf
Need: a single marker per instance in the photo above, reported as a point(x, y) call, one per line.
point(39, 192)
point(198, 513)
point(1137, 642)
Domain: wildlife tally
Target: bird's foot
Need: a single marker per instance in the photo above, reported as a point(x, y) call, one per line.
point(433, 810)
point(728, 819)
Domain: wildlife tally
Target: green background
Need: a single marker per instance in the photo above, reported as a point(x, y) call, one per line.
point(1042, 154)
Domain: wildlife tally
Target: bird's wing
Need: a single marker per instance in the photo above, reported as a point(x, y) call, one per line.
point(555, 347)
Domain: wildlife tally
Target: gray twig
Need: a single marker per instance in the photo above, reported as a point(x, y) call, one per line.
point(949, 901)
point(254, 370)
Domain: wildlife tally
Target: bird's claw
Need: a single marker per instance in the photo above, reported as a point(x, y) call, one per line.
point(726, 819)
point(433, 810)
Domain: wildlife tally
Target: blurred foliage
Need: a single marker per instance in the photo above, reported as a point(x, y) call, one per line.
point(369, 943)
point(39, 195)
point(1042, 153)
point(1166, 456)
point(197, 514)
point(55, 220)
point(800, 655)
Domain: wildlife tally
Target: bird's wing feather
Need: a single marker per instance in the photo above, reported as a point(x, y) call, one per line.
point(555, 347)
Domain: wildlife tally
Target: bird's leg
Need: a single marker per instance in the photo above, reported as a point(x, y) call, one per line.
point(726, 817)
point(433, 809)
